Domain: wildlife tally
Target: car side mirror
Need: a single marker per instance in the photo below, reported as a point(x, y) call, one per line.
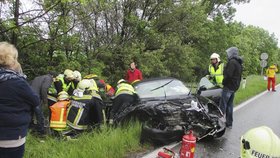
point(200, 89)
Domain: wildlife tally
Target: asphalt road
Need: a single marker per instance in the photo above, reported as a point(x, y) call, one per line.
point(264, 110)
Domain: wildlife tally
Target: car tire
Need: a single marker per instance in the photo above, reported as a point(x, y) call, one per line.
point(159, 137)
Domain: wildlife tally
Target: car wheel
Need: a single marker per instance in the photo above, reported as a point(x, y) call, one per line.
point(157, 136)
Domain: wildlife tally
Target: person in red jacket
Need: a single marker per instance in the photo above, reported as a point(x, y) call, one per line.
point(133, 74)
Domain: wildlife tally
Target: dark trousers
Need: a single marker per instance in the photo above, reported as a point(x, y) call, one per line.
point(38, 112)
point(16, 152)
point(272, 81)
point(95, 113)
point(40, 119)
point(119, 102)
point(226, 105)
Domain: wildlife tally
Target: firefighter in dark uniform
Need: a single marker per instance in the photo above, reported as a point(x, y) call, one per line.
point(86, 107)
point(125, 95)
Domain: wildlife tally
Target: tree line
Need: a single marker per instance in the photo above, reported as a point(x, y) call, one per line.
point(165, 37)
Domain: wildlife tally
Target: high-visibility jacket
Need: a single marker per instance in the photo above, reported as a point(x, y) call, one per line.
point(218, 74)
point(125, 88)
point(52, 89)
point(271, 71)
point(65, 87)
point(59, 115)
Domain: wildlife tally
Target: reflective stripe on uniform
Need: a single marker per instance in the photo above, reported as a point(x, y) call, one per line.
point(125, 88)
point(84, 97)
point(75, 126)
point(75, 123)
point(57, 124)
point(78, 117)
point(52, 98)
point(61, 115)
point(96, 95)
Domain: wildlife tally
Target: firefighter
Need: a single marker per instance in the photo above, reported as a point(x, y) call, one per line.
point(65, 82)
point(77, 78)
point(260, 142)
point(124, 96)
point(106, 90)
point(86, 106)
point(271, 77)
point(59, 112)
point(216, 69)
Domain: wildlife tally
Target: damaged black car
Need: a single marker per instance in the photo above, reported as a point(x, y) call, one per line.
point(168, 109)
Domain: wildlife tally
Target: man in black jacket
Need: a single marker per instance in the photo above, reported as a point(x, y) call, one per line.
point(232, 77)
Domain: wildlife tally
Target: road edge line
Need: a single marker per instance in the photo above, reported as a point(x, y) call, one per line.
point(239, 106)
point(155, 152)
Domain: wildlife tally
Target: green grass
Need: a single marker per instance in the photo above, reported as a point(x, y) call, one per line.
point(254, 85)
point(109, 142)
point(114, 142)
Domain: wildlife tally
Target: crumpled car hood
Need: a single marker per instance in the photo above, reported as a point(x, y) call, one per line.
point(167, 120)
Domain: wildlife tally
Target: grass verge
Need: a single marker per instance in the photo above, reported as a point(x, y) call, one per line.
point(108, 142)
point(254, 85)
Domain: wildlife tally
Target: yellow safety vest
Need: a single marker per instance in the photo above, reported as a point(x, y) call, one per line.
point(65, 87)
point(218, 74)
point(125, 88)
point(271, 71)
point(52, 89)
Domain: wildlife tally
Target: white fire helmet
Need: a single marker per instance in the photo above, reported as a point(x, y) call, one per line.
point(62, 96)
point(260, 142)
point(121, 81)
point(68, 74)
point(215, 56)
point(77, 75)
point(85, 84)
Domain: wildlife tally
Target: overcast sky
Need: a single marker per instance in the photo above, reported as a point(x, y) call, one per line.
point(262, 13)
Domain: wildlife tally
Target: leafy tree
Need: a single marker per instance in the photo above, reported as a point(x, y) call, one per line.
point(165, 38)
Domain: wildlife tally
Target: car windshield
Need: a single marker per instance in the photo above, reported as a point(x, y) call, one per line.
point(169, 88)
